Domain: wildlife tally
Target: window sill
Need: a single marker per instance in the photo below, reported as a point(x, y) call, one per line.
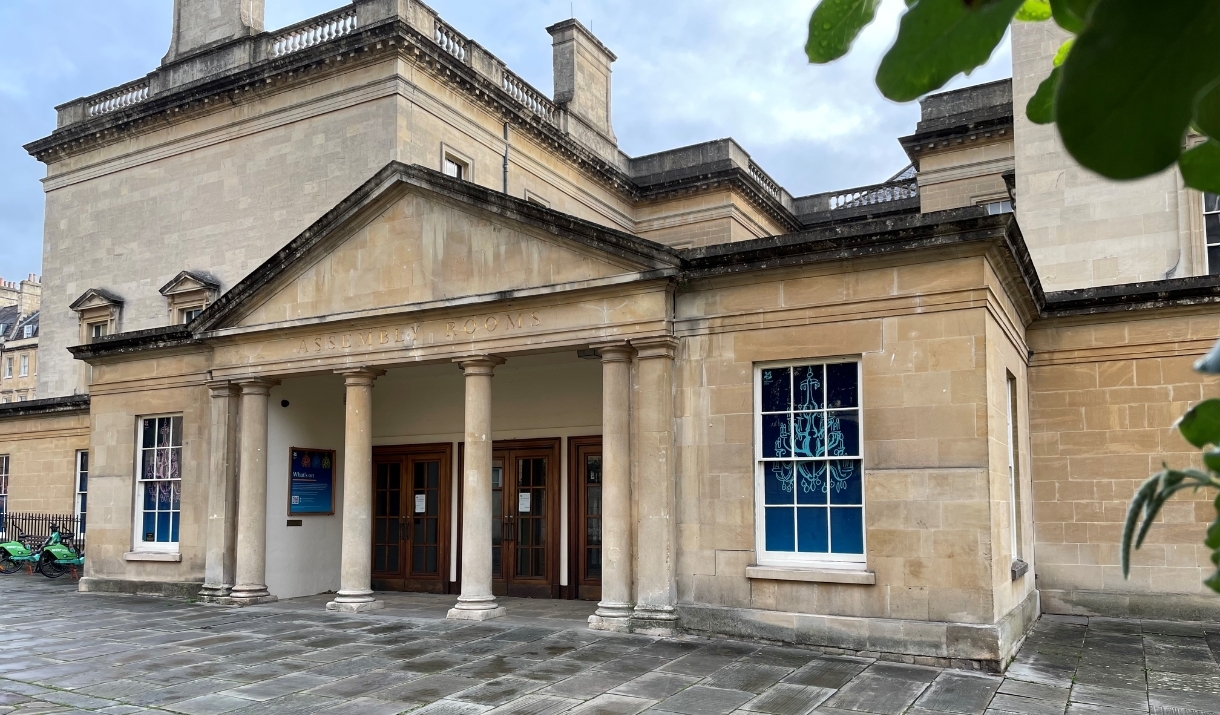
point(151, 556)
point(812, 575)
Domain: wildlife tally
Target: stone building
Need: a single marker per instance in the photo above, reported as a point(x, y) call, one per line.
point(351, 307)
point(19, 302)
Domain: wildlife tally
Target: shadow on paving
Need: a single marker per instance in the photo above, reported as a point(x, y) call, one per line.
point(65, 652)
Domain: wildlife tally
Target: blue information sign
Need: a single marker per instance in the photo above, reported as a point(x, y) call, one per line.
point(311, 486)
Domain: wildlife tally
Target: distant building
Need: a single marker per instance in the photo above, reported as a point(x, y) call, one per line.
point(19, 306)
point(351, 306)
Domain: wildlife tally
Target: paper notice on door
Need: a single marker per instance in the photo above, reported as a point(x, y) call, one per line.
point(421, 503)
point(523, 502)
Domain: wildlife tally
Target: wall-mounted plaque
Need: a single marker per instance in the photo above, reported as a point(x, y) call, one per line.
point(311, 481)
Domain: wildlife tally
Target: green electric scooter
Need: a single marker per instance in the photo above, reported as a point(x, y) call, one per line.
point(56, 556)
point(14, 554)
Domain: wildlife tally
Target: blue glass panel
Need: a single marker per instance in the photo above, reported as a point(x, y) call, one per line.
point(163, 526)
point(173, 527)
point(847, 530)
point(776, 436)
point(811, 530)
point(150, 433)
point(777, 482)
point(846, 478)
point(776, 389)
point(149, 532)
point(176, 497)
point(807, 437)
point(807, 383)
point(163, 497)
point(810, 482)
point(150, 497)
point(176, 438)
point(841, 388)
point(779, 529)
point(843, 433)
point(163, 432)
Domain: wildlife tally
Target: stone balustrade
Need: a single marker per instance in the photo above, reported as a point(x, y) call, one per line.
point(125, 96)
point(314, 32)
point(450, 41)
point(533, 100)
point(879, 194)
point(766, 182)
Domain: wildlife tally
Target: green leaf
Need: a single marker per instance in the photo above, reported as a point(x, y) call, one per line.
point(834, 25)
point(1201, 423)
point(1207, 109)
point(1211, 458)
point(1062, 53)
point(937, 39)
point(1128, 87)
point(1034, 11)
point(1070, 14)
point(1201, 166)
point(1213, 542)
point(1209, 364)
point(1041, 107)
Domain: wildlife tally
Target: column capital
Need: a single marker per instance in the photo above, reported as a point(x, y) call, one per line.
point(479, 364)
point(614, 351)
point(223, 388)
point(256, 385)
point(359, 376)
point(661, 346)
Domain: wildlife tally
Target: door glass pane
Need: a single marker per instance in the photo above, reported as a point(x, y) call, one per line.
point(593, 511)
point(497, 516)
point(425, 510)
point(387, 512)
point(531, 517)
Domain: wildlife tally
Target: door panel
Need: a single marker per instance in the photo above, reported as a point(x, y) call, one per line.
point(585, 490)
point(525, 518)
point(411, 518)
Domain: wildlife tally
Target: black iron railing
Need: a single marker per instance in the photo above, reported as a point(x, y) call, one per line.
point(33, 529)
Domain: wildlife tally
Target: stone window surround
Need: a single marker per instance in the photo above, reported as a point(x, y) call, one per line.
point(148, 550)
point(97, 307)
point(825, 570)
point(451, 154)
point(82, 489)
point(186, 292)
point(535, 198)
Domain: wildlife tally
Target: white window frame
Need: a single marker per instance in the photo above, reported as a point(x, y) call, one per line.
point(24, 370)
point(8, 368)
point(82, 488)
point(27, 332)
point(138, 542)
point(4, 466)
point(1209, 269)
point(798, 559)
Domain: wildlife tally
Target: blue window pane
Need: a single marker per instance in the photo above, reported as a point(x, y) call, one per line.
point(149, 532)
point(163, 526)
point(846, 480)
point(777, 482)
point(163, 432)
point(173, 527)
point(176, 496)
point(810, 482)
point(779, 529)
point(843, 433)
point(841, 388)
point(847, 530)
point(807, 438)
point(150, 433)
point(163, 497)
point(808, 383)
point(150, 497)
point(176, 431)
point(776, 436)
point(811, 530)
point(776, 389)
point(147, 462)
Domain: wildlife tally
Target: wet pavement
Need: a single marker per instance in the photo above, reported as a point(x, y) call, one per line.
point(66, 652)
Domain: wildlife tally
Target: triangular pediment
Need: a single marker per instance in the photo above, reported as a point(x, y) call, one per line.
point(189, 281)
point(95, 298)
point(418, 239)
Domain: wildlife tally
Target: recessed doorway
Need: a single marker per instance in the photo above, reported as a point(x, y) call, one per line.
point(411, 525)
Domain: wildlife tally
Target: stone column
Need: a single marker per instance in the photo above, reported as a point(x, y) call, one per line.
point(477, 603)
point(251, 577)
point(656, 592)
point(355, 579)
point(614, 610)
point(221, 553)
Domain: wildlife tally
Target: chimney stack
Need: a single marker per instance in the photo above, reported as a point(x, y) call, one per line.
point(582, 75)
point(199, 24)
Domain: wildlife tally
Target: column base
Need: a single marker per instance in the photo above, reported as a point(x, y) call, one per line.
point(654, 621)
point(211, 592)
point(482, 614)
point(354, 606)
point(245, 600)
point(605, 623)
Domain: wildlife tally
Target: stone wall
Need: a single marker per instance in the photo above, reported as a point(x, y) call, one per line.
point(1083, 230)
point(42, 460)
point(1104, 395)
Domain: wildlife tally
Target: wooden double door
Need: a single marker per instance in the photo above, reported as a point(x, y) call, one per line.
point(414, 509)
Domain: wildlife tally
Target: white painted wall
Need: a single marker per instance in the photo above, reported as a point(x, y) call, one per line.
point(552, 395)
point(303, 560)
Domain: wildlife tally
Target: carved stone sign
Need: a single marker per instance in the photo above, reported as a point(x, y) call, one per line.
point(478, 326)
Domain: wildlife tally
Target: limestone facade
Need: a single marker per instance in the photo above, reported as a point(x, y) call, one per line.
point(458, 293)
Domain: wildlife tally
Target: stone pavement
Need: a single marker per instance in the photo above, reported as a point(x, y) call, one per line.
point(65, 652)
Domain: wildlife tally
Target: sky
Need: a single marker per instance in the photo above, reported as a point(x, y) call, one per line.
point(688, 71)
